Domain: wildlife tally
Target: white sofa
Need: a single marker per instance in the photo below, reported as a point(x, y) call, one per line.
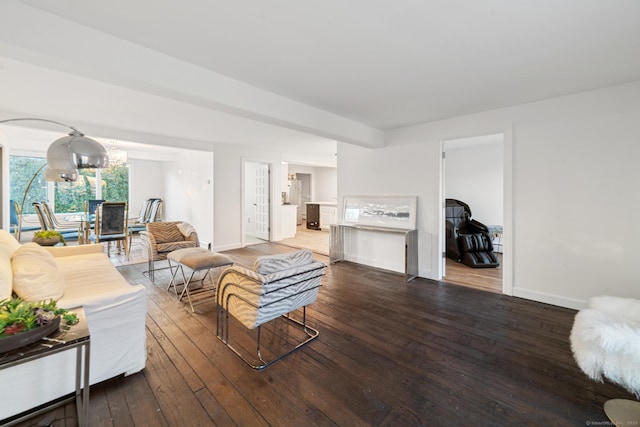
point(115, 312)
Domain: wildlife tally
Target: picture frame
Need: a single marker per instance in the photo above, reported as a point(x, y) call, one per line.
point(385, 211)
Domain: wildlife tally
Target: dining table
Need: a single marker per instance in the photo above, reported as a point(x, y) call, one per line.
point(85, 222)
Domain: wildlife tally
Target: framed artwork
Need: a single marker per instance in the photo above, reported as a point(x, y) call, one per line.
point(386, 211)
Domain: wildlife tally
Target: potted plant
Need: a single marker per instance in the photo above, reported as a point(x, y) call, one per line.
point(23, 322)
point(48, 238)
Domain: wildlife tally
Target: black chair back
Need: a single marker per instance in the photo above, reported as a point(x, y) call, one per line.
point(113, 216)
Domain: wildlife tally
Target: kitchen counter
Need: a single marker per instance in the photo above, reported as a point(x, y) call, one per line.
point(322, 203)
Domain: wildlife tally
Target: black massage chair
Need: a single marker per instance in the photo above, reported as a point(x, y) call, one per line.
point(468, 241)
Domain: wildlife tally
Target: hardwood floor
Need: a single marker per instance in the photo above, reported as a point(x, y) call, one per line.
point(316, 240)
point(390, 353)
point(486, 279)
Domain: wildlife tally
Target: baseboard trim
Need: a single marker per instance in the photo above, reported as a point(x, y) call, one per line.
point(552, 299)
point(227, 247)
point(375, 263)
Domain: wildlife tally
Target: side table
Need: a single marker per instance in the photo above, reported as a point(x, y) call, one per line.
point(67, 337)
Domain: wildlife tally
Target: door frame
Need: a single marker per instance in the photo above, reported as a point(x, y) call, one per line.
point(507, 182)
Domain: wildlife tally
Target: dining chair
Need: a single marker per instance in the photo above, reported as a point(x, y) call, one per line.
point(112, 225)
point(46, 222)
point(155, 210)
point(16, 220)
point(90, 206)
point(149, 212)
point(57, 224)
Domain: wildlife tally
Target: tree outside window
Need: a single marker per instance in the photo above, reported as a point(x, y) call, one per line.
point(115, 183)
point(70, 196)
point(23, 170)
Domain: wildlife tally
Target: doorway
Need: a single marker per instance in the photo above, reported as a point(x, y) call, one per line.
point(473, 172)
point(257, 205)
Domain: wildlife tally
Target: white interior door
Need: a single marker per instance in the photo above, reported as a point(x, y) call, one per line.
point(261, 202)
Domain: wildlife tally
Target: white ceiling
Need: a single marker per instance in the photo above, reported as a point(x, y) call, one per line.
point(334, 69)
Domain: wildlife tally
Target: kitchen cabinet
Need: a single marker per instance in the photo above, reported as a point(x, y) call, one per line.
point(320, 215)
point(313, 216)
point(328, 216)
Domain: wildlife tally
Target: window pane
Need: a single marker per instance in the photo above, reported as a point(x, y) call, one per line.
point(115, 183)
point(21, 171)
point(70, 196)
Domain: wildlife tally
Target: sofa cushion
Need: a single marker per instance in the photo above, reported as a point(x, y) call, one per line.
point(36, 276)
point(186, 229)
point(274, 263)
point(8, 245)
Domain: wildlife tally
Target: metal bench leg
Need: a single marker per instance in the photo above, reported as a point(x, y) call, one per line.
point(186, 288)
point(173, 277)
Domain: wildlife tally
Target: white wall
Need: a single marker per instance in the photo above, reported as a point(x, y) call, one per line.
point(228, 190)
point(474, 174)
point(324, 181)
point(326, 184)
point(189, 191)
point(395, 170)
point(146, 180)
point(574, 196)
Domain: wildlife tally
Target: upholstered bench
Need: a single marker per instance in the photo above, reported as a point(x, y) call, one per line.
point(196, 259)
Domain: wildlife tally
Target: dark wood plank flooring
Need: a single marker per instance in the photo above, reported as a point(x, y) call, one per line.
point(389, 353)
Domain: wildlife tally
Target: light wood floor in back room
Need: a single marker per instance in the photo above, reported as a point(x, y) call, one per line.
point(486, 279)
point(316, 240)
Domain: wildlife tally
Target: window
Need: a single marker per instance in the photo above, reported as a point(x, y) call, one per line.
point(27, 172)
point(115, 183)
point(110, 184)
point(70, 196)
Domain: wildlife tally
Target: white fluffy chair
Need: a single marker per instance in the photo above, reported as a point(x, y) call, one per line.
point(605, 340)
